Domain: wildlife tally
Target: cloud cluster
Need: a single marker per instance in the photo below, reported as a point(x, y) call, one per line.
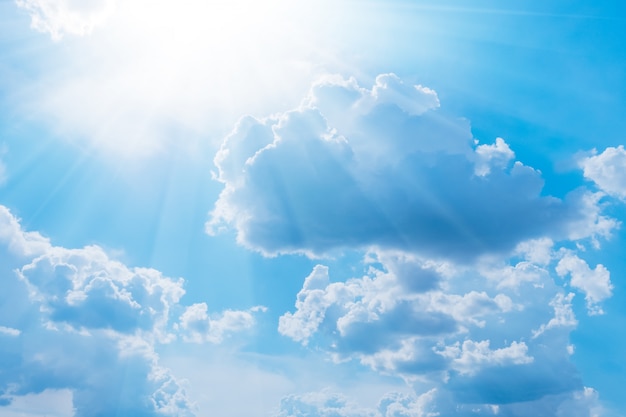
point(503, 349)
point(463, 290)
point(75, 319)
point(356, 167)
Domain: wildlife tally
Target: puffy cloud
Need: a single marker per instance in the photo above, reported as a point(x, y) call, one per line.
point(61, 17)
point(18, 243)
point(376, 311)
point(356, 167)
point(607, 170)
point(198, 327)
point(594, 283)
point(490, 338)
point(499, 155)
point(590, 222)
point(563, 314)
point(387, 326)
point(9, 331)
point(77, 320)
point(537, 251)
point(470, 356)
point(311, 305)
point(84, 289)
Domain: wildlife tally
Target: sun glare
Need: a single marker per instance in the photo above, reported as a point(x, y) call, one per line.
point(192, 66)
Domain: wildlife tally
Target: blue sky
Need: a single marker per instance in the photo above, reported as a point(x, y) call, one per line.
point(312, 209)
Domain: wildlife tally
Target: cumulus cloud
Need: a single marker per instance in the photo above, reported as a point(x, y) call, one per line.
point(9, 331)
point(198, 327)
point(499, 154)
point(563, 314)
point(486, 348)
point(355, 167)
point(84, 289)
point(607, 170)
point(61, 17)
point(470, 356)
point(594, 283)
point(75, 319)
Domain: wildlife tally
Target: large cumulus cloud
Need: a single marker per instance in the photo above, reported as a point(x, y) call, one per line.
point(75, 319)
point(357, 167)
point(470, 272)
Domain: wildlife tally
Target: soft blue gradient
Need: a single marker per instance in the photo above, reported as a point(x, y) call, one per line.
point(547, 77)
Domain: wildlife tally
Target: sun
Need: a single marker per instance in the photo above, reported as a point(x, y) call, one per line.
point(144, 73)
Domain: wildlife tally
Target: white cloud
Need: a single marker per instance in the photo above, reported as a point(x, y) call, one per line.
point(75, 319)
point(497, 155)
point(335, 173)
point(198, 327)
point(470, 356)
point(84, 289)
point(590, 222)
point(471, 332)
point(537, 251)
point(563, 314)
point(20, 243)
point(61, 17)
point(311, 305)
point(513, 276)
point(378, 310)
point(389, 89)
point(594, 283)
point(9, 331)
point(383, 322)
point(607, 170)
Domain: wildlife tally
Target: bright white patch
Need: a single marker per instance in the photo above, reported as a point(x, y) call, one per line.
point(198, 327)
point(9, 331)
point(60, 17)
point(498, 155)
point(155, 72)
point(537, 251)
point(469, 357)
point(608, 170)
point(594, 283)
point(563, 315)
